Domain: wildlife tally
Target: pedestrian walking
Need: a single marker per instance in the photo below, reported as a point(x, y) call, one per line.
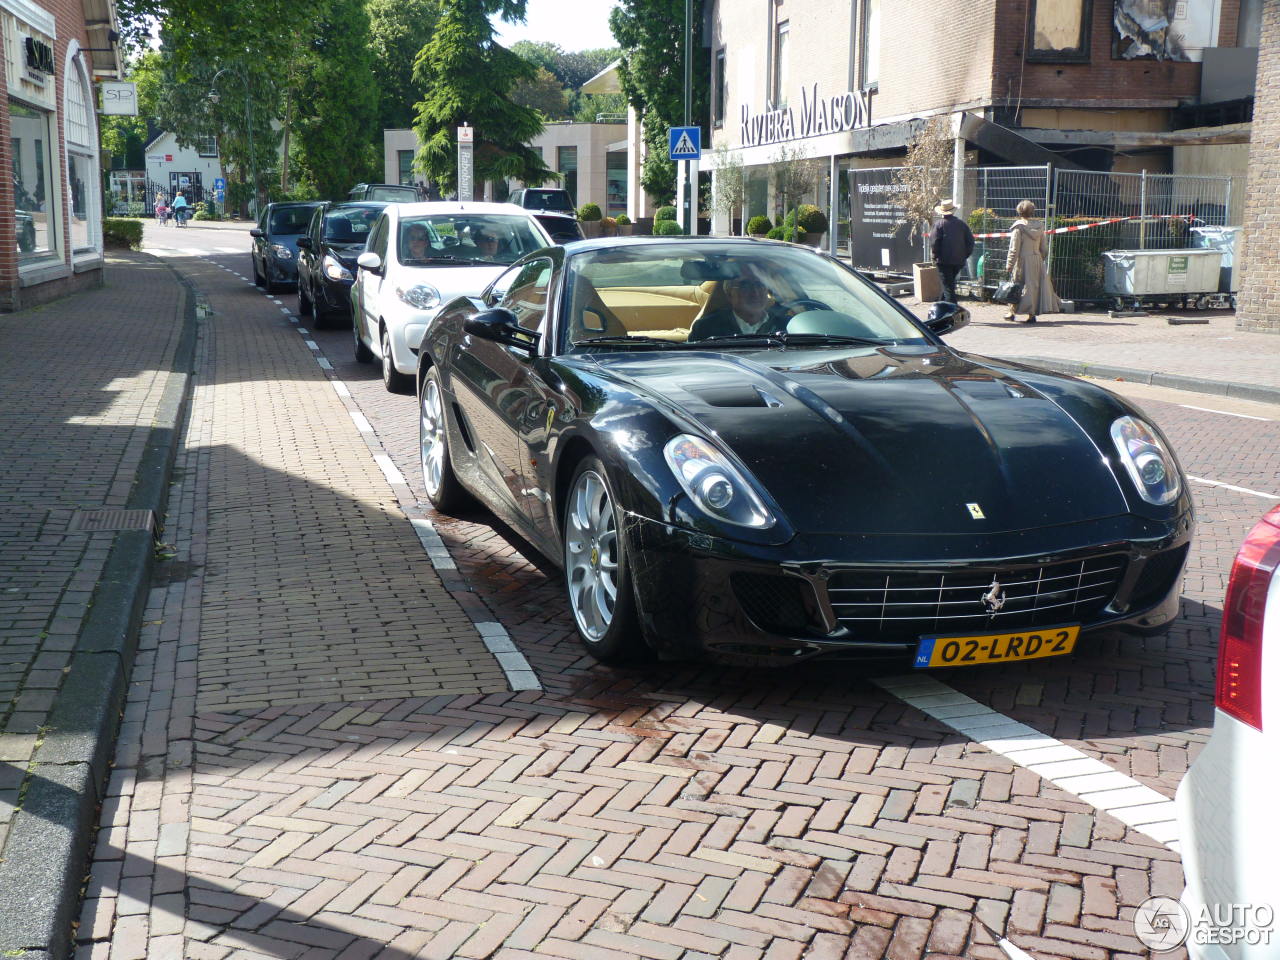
point(162, 209)
point(180, 209)
point(1027, 264)
point(952, 247)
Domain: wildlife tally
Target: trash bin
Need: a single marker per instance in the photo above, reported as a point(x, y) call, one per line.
point(1223, 239)
point(928, 283)
point(1161, 273)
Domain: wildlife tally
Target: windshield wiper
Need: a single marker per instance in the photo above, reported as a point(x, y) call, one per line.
point(768, 339)
point(626, 341)
point(410, 261)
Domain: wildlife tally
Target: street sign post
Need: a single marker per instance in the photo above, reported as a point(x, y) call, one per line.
point(466, 163)
point(685, 147)
point(119, 98)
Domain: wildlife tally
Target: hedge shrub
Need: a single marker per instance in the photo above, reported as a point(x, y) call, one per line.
point(622, 220)
point(589, 212)
point(665, 213)
point(759, 224)
point(119, 232)
point(777, 233)
point(667, 228)
point(810, 219)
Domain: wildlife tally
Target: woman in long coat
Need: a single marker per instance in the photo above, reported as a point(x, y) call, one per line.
point(1027, 264)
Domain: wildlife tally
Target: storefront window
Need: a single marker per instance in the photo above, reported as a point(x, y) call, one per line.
point(616, 182)
point(405, 159)
point(567, 164)
point(82, 170)
point(781, 65)
point(31, 134)
point(128, 193)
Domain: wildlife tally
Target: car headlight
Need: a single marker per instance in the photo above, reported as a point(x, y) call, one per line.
point(1147, 460)
point(281, 252)
point(714, 484)
point(335, 270)
point(422, 296)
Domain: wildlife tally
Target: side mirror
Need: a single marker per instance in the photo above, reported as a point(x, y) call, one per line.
point(501, 326)
point(946, 317)
point(370, 261)
point(304, 243)
point(257, 233)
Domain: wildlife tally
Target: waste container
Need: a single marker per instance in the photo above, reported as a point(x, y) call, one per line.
point(928, 283)
point(1223, 239)
point(1162, 273)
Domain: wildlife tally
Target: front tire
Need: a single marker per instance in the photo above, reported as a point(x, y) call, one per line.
point(305, 307)
point(597, 570)
point(363, 353)
point(444, 490)
point(392, 379)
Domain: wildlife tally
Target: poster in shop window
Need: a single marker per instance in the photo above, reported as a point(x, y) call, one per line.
point(1164, 29)
point(879, 237)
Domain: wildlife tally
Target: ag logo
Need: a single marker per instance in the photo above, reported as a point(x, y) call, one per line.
point(975, 511)
point(1161, 923)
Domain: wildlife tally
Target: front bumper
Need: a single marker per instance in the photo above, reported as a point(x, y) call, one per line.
point(282, 271)
point(705, 597)
point(334, 296)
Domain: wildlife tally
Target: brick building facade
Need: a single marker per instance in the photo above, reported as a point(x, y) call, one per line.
point(1259, 302)
point(51, 197)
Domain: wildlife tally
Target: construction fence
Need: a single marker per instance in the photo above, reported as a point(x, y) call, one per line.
point(1087, 212)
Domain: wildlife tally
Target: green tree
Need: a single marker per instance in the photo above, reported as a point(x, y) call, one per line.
point(592, 105)
point(126, 137)
point(469, 77)
point(542, 93)
point(398, 30)
point(650, 33)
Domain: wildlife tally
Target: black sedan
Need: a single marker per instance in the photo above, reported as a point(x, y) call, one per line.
point(327, 258)
point(274, 254)
point(742, 449)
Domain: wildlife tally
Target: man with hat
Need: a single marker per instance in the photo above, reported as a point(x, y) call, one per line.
point(952, 246)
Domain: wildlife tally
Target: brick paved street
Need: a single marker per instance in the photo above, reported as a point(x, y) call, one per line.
point(271, 801)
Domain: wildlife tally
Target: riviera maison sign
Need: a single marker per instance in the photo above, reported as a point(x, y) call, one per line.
point(818, 115)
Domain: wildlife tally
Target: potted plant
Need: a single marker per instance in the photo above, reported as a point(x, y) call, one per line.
point(759, 225)
point(609, 227)
point(625, 226)
point(590, 217)
point(811, 224)
point(667, 228)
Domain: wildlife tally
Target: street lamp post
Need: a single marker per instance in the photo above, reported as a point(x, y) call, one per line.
point(248, 126)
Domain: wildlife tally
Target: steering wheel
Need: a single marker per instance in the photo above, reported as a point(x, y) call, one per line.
point(800, 304)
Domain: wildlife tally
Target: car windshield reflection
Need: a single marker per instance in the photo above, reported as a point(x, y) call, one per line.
point(469, 238)
point(717, 295)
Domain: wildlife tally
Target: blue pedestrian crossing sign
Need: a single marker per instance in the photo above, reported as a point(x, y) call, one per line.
point(685, 143)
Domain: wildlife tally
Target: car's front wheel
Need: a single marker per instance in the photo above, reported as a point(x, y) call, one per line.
point(393, 379)
point(443, 489)
point(305, 307)
point(363, 353)
point(597, 570)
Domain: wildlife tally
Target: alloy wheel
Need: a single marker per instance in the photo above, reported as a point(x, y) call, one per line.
point(431, 442)
point(591, 555)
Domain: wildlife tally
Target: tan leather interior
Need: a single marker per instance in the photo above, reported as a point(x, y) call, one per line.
point(591, 316)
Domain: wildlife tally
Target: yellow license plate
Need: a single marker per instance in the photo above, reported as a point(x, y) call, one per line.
point(968, 650)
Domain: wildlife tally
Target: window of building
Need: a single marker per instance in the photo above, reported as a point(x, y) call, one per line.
point(781, 67)
point(567, 165)
point(718, 114)
point(870, 52)
point(82, 167)
point(207, 146)
point(1059, 31)
point(405, 160)
point(616, 182)
point(31, 133)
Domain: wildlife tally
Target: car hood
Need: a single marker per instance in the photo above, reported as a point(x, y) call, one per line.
point(288, 241)
point(451, 281)
point(912, 440)
point(346, 253)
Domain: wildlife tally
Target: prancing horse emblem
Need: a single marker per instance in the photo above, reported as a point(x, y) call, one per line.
point(994, 597)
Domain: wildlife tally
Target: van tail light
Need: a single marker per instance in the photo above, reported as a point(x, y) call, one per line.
point(1239, 690)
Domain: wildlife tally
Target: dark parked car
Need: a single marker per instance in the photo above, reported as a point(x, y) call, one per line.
point(543, 198)
point(275, 243)
point(327, 258)
point(743, 449)
point(384, 192)
point(563, 228)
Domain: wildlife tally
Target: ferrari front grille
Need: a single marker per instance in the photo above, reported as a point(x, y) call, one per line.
point(901, 604)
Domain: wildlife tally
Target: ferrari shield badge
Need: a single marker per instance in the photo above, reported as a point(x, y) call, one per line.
point(975, 511)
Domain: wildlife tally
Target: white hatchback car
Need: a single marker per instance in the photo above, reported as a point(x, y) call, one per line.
point(1226, 802)
point(420, 256)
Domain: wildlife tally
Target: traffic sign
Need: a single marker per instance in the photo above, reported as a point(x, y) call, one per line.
point(685, 143)
point(219, 183)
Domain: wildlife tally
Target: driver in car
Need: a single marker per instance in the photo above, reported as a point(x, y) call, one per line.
point(750, 309)
point(418, 242)
point(486, 241)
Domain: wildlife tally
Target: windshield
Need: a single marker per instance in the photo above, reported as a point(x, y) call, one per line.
point(401, 194)
point(722, 294)
point(547, 200)
point(290, 221)
point(467, 238)
point(349, 224)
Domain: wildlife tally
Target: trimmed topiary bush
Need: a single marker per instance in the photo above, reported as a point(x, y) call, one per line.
point(758, 225)
point(588, 212)
point(777, 233)
point(665, 213)
point(667, 228)
point(623, 220)
point(119, 232)
point(810, 219)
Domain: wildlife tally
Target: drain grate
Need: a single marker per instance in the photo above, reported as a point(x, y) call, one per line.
point(95, 521)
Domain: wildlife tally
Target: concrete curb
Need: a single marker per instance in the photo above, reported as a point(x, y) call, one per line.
point(51, 834)
point(1222, 388)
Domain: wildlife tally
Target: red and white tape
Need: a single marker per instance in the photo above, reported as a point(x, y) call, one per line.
point(1090, 226)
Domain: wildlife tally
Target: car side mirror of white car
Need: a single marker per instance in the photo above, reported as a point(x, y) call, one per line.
point(370, 261)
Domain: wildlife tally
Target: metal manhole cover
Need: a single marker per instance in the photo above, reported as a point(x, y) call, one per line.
point(94, 521)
